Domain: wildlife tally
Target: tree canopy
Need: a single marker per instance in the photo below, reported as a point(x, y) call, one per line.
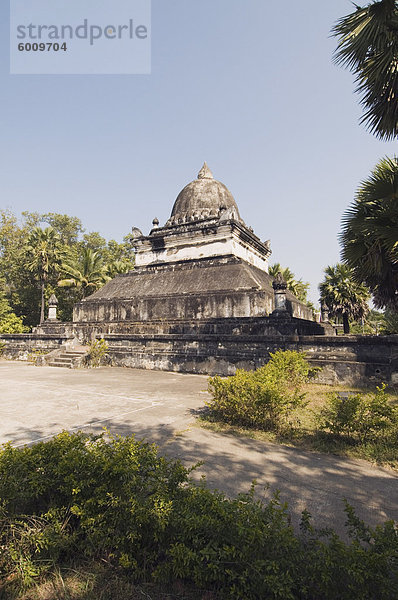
point(368, 46)
point(297, 286)
point(33, 253)
point(344, 297)
point(369, 235)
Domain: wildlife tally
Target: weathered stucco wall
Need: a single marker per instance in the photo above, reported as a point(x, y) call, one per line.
point(210, 288)
point(352, 361)
point(20, 345)
point(217, 348)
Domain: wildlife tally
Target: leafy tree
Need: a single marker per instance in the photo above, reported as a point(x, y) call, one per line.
point(68, 228)
point(369, 236)
point(9, 322)
point(296, 286)
point(94, 240)
point(20, 282)
point(117, 266)
point(43, 257)
point(344, 297)
point(371, 324)
point(368, 46)
point(85, 271)
point(389, 324)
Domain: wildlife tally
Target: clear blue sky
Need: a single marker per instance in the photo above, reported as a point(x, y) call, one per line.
point(249, 86)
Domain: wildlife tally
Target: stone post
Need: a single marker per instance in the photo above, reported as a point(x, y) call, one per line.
point(52, 308)
point(280, 287)
point(325, 313)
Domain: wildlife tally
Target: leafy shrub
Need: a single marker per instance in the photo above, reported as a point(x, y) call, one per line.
point(262, 398)
point(97, 352)
point(10, 323)
point(360, 416)
point(80, 496)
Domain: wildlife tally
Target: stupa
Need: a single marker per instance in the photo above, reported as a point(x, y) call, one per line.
point(204, 263)
point(200, 300)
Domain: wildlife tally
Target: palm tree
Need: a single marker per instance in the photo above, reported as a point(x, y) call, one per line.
point(369, 236)
point(343, 296)
point(43, 256)
point(85, 272)
point(296, 286)
point(117, 267)
point(368, 46)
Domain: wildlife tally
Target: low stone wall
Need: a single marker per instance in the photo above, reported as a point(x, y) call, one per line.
point(22, 346)
point(351, 360)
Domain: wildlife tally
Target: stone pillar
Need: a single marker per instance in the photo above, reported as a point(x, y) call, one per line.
point(280, 287)
point(325, 313)
point(52, 308)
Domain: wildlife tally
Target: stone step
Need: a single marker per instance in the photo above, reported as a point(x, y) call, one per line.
point(60, 363)
point(68, 359)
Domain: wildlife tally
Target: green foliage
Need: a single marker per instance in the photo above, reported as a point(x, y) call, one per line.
point(97, 352)
point(369, 234)
point(27, 261)
point(297, 286)
point(372, 324)
point(9, 322)
point(84, 271)
point(43, 253)
point(368, 46)
point(363, 417)
point(116, 501)
point(12, 324)
point(343, 296)
point(264, 398)
point(390, 322)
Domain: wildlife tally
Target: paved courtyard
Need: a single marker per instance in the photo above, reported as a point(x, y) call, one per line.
point(38, 402)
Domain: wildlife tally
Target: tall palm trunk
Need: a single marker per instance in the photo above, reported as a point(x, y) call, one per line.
point(42, 302)
point(346, 324)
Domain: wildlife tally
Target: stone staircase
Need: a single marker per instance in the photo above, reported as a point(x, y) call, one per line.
point(69, 359)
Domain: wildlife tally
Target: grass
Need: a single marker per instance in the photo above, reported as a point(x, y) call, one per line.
point(302, 431)
point(96, 581)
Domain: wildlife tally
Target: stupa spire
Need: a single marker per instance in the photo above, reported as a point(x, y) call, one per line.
point(205, 172)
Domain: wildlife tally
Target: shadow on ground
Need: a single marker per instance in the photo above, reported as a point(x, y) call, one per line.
point(306, 480)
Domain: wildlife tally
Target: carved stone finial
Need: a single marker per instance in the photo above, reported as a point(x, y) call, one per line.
point(136, 233)
point(53, 300)
point(205, 172)
point(155, 223)
point(279, 283)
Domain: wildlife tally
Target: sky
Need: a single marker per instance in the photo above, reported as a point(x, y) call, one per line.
point(247, 85)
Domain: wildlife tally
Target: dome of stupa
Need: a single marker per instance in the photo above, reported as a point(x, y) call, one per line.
point(203, 198)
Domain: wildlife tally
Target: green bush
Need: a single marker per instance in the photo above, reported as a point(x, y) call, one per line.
point(79, 497)
point(362, 417)
point(10, 323)
point(97, 352)
point(263, 398)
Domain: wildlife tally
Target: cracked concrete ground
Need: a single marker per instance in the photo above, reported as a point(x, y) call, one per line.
point(38, 402)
